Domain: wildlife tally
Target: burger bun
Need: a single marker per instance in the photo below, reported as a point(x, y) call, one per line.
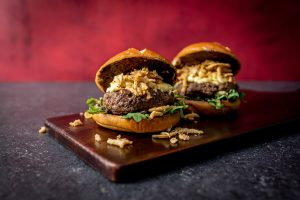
point(116, 122)
point(204, 108)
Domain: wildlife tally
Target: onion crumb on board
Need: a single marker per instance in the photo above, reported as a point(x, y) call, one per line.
point(177, 133)
point(183, 136)
point(173, 140)
point(119, 142)
point(76, 122)
point(97, 138)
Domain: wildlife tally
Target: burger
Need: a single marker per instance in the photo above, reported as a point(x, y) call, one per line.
point(138, 87)
point(206, 78)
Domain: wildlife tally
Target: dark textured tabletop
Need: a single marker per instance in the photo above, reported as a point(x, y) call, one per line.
point(35, 166)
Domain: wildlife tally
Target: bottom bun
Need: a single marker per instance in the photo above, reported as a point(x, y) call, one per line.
point(203, 107)
point(116, 122)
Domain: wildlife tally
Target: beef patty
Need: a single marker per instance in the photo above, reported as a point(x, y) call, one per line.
point(123, 101)
point(206, 89)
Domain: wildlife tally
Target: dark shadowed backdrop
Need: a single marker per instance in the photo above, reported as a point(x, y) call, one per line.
point(67, 40)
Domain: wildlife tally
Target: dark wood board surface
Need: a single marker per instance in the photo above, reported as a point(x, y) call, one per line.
point(261, 110)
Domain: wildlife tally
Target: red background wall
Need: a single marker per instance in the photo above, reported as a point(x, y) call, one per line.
point(62, 40)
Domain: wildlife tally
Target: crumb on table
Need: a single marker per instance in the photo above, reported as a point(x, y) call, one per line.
point(43, 129)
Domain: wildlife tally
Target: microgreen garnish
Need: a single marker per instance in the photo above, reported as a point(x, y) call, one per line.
point(95, 105)
point(136, 116)
point(232, 95)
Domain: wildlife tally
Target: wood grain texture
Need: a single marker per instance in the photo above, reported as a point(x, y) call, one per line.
point(261, 110)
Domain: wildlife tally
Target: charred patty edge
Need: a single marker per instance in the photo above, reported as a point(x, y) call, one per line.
point(206, 89)
point(123, 102)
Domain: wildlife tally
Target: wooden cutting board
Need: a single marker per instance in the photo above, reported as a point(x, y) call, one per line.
point(261, 110)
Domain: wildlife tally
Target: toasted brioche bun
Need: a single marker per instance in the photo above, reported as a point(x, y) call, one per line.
point(203, 107)
point(116, 122)
point(199, 52)
point(132, 59)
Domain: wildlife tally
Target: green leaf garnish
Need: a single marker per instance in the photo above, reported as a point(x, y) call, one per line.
point(136, 116)
point(95, 105)
point(178, 106)
point(178, 96)
point(232, 95)
point(216, 103)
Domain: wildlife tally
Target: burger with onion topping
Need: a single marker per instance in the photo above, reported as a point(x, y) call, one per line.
point(206, 78)
point(138, 97)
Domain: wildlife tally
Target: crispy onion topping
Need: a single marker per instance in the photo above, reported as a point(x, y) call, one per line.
point(139, 82)
point(207, 71)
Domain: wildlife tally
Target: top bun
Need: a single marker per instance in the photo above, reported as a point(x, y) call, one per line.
point(199, 52)
point(132, 59)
